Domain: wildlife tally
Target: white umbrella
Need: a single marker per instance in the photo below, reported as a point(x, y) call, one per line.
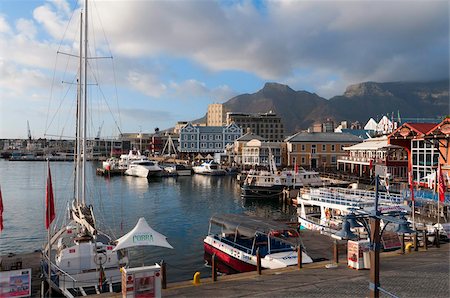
point(142, 235)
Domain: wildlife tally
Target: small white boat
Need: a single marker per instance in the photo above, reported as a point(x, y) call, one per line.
point(179, 170)
point(143, 168)
point(270, 184)
point(235, 239)
point(209, 168)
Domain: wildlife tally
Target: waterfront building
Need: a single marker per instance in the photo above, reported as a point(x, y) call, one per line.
point(207, 139)
point(256, 153)
point(241, 141)
point(138, 140)
point(267, 125)
point(217, 115)
point(375, 156)
point(427, 147)
point(318, 149)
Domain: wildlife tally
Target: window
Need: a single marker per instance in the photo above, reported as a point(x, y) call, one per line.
point(303, 160)
point(332, 147)
point(210, 145)
point(303, 147)
point(211, 137)
point(192, 145)
point(202, 137)
point(313, 149)
point(229, 137)
point(333, 159)
point(218, 145)
point(218, 137)
point(324, 147)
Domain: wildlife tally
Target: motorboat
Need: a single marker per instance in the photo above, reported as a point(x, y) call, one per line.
point(178, 170)
point(79, 259)
point(235, 240)
point(143, 168)
point(268, 184)
point(211, 168)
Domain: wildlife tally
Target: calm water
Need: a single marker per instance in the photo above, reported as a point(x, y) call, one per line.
point(179, 208)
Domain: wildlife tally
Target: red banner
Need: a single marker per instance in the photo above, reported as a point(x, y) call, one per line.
point(411, 185)
point(442, 185)
point(49, 201)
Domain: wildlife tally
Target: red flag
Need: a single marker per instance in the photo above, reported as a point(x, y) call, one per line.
point(411, 185)
point(49, 201)
point(1, 210)
point(296, 167)
point(442, 185)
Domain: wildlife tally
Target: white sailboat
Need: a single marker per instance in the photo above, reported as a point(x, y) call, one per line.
point(82, 258)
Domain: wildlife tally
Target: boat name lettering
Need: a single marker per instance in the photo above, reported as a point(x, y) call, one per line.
point(289, 257)
point(143, 237)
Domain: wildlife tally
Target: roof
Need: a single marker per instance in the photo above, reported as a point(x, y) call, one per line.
point(360, 133)
point(328, 137)
point(250, 136)
point(210, 129)
point(412, 130)
point(246, 225)
point(373, 144)
point(422, 128)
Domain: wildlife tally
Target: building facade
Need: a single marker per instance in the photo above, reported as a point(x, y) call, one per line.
point(256, 153)
point(375, 156)
point(207, 139)
point(216, 115)
point(318, 149)
point(267, 125)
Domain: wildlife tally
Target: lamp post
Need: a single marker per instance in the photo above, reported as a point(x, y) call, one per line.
point(375, 233)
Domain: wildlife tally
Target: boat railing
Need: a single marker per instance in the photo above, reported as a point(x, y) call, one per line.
point(352, 198)
point(234, 244)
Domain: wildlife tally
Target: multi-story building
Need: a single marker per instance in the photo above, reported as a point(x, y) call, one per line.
point(240, 142)
point(207, 139)
point(138, 140)
point(256, 153)
point(318, 149)
point(423, 143)
point(217, 115)
point(267, 125)
point(375, 156)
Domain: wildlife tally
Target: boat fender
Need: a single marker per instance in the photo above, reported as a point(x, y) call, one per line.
point(196, 280)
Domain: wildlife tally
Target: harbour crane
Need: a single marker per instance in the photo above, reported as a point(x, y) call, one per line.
point(100, 130)
point(28, 130)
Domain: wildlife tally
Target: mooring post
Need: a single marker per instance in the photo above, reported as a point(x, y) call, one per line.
point(258, 261)
point(214, 267)
point(416, 242)
point(299, 257)
point(402, 239)
point(163, 275)
point(436, 238)
point(425, 239)
point(336, 251)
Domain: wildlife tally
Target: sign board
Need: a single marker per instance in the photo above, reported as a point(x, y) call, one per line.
point(141, 282)
point(390, 240)
point(15, 283)
point(357, 251)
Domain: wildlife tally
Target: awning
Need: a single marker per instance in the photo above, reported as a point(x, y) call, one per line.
point(142, 235)
point(199, 156)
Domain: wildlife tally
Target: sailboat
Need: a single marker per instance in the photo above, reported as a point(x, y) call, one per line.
point(79, 259)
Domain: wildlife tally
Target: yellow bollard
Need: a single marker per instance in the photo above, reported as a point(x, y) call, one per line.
point(196, 280)
point(409, 246)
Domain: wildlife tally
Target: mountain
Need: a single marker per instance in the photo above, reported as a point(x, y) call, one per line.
point(299, 109)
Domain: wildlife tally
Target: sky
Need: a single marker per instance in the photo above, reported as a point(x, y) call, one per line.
point(173, 58)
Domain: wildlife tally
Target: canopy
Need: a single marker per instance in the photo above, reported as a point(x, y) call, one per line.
point(209, 156)
point(142, 235)
point(199, 156)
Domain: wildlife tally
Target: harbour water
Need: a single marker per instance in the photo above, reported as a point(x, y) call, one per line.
point(179, 208)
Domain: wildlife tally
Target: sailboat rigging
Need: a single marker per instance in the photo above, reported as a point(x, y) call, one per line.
point(79, 255)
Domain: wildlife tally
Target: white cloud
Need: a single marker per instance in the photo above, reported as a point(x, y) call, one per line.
point(146, 83)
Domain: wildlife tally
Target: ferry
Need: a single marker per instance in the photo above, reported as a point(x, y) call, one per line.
point(235, 239)
point(322, 209)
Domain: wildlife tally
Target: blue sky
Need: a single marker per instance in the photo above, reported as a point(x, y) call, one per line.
point(173, 58)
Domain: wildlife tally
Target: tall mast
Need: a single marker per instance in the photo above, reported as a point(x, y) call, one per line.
point(83, 189)
point(79, 115)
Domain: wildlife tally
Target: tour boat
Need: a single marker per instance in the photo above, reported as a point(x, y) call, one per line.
point(209, 168)
point(270, 184)
point(79, 259)
point(235, 239)
point(322, 209)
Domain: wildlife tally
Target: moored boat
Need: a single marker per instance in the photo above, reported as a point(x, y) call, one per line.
point(235, 240)
point(269, 184)
point(178, 170)
point(209, 168)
